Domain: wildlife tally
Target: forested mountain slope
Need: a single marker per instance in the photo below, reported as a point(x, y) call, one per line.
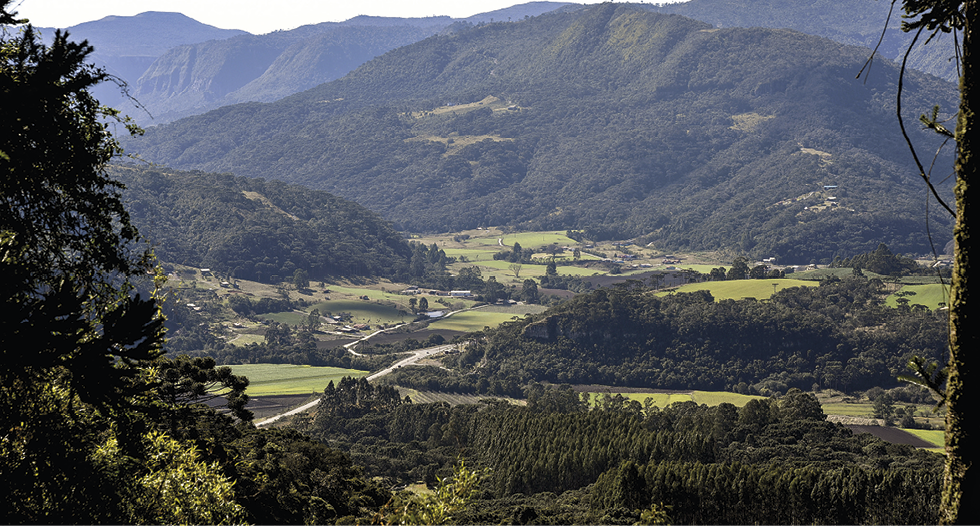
point(858, 23)
point(611, 119)
point(127, 45)
point(192, 79)
point(257, 229)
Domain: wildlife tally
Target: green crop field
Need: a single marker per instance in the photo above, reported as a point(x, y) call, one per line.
point(743, 288)
point(936, 437)
point(711, 398)
point(843, 409)
point(472, 321)
point(268, 379)
point(927, 295)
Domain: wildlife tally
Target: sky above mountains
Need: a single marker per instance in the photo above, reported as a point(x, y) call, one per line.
point(254, 16)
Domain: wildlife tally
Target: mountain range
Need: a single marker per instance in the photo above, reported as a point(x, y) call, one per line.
point(176, 66)
point(612, 119)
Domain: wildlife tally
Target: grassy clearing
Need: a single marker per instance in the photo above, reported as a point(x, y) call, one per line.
point(658, 399)
point(704, 269)
point(844, 409)
point(710, 398)
point(533, 270)
point(268, 379)
point(244, 339)
point(538, 239)
point(936, 437)
point(472, 254)
point(516, 309)
point(288, 318)
point(713, 398)
point(364, 311)
point(927, 295)
point(472, 321)
point(744, 288)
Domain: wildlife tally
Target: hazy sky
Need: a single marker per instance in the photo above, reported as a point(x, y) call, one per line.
point(254, 16)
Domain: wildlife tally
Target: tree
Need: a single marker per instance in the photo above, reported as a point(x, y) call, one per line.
point(423, 305)
point(449, 498)
point(79, 323)
point(738, 270)
point(301, 279)
point(529, 291)
point(516, 269)
point(962, 394)
point(313, 320)
point(177, 487)
point(184, 381)
point(884, 408)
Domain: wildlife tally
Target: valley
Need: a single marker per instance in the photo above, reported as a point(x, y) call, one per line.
point(557, 263)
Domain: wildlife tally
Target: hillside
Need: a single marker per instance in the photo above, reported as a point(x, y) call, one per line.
point(127, 45)
point(192, 79)
point(856, 23)
point(610, 119)
point(838, 335)
point(256, 229)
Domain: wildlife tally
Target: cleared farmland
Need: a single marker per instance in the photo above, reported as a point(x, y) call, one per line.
point(267, 379)
point(744, 288)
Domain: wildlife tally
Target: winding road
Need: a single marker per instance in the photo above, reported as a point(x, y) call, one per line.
point(416, 356)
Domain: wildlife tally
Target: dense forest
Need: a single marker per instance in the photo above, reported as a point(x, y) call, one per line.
point(857, 24)
point(557, 462)
point(610, 119)
point(258, 229)
point(839, 335)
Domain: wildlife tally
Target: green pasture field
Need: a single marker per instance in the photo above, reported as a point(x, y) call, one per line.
point(928, 295)
point(244, 339)
point(861, 410)
point(823, 273)
point(472, 254)
point(710, 398)
point(743, 288)
point(713, 398)
point(936, 437)
point(920, 280)
point(390, 293)
point(519, 310)
point(267, 379)
point(474, 320)
point(528, 239)
point(364, 311)
point(288, 318)
point(533, 270)
point(704, 269)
